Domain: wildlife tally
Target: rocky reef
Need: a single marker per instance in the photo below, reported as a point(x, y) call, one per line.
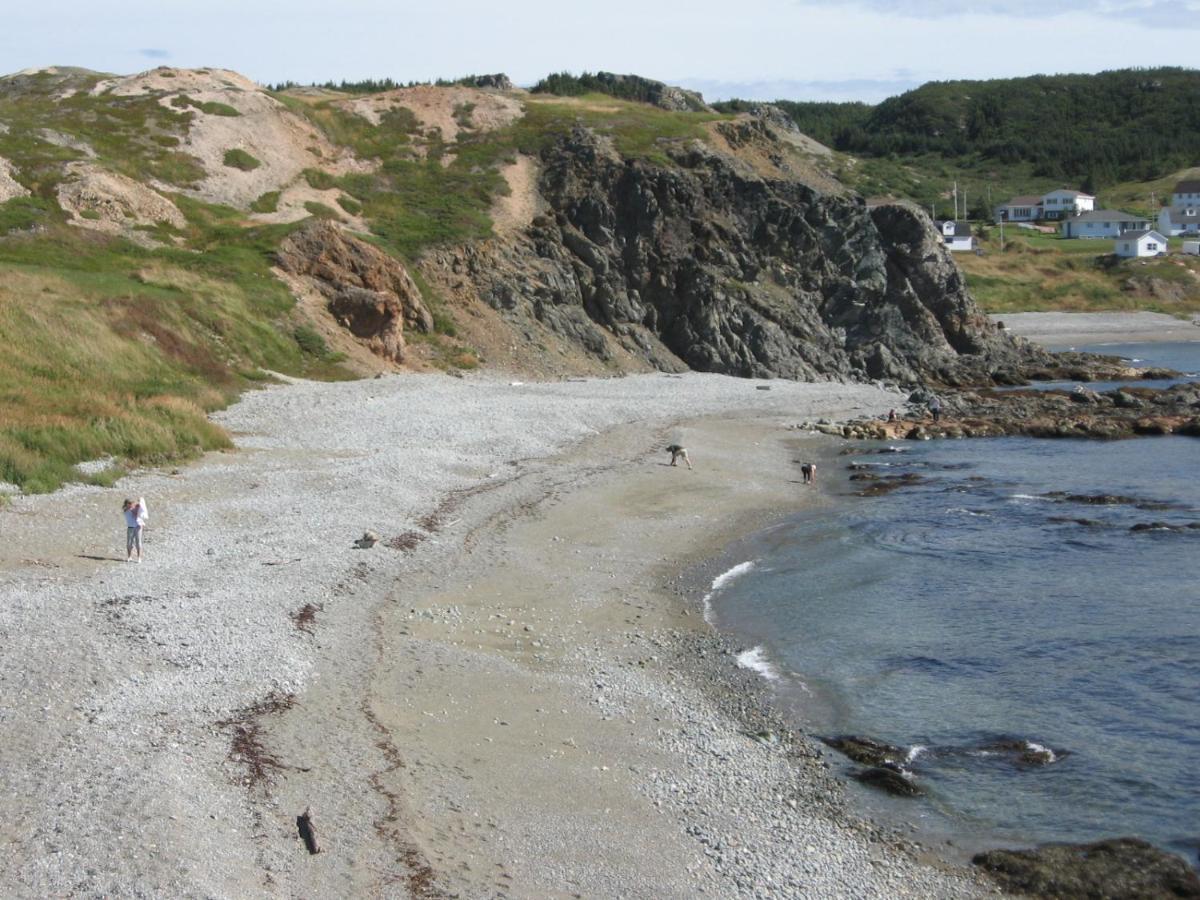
point(1079, 413)
point(1117, 868)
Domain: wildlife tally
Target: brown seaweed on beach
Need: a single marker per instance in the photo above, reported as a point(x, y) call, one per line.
point(247, 747)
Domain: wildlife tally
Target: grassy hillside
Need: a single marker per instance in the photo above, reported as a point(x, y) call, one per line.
point(1013, 136)
point(1040, 272)
point(127, 317)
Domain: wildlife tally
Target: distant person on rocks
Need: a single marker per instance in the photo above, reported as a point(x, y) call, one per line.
point(891, 417)
point(136, 517)
point(935, 407)
point(808, 472)
point(678, 453)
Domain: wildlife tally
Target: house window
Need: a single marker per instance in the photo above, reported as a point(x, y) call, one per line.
point(1125, 247)
point(1150, 245)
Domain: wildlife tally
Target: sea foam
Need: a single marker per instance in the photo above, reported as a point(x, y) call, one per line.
point(756, 660)
point(720, 581)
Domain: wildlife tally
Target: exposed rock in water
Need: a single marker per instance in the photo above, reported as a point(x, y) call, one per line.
point(368, 292)
point(1165, 526)
point(865, 750)
point(1022, 752)
point(885, 484)
point(1106, 870)
point(702, 263)
point(1045, 414)
point(891, 779)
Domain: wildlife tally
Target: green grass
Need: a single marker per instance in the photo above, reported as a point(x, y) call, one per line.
point(320, 210)
point(320, 180)
point(1038, 272)
point(240, 159)
point(113, 349)
point(266, 203)
point(350, 205)
point(212, 107)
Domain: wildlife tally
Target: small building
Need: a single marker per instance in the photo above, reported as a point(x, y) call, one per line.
point(1176, 220)
point(1186, 193)
point(1146, 242)
point(1020, 209)
point(1102, 223)
point(956, 235)
point(1063, 204)
point(1192, 248)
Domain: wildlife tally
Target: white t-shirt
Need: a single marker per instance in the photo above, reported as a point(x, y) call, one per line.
point(137, 516)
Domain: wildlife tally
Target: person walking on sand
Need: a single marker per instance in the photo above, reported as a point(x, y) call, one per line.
point(136, 517)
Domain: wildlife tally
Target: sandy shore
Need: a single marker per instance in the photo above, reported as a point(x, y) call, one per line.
point(1062, 330)
point(510, 696)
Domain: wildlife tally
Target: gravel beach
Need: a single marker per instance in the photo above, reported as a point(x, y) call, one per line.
point(1069, 329)
point(512, 693)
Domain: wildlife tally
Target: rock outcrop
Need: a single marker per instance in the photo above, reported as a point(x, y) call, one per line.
point(370, 293)
point(1124, 413)
point(699, 263)
point(1112, 869)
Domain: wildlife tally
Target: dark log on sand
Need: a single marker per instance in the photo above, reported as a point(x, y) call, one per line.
point(308, 831)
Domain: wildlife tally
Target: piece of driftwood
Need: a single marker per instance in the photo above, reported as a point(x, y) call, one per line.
point(308, 831)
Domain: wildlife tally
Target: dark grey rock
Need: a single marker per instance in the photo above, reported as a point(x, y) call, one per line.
point(1106, 870)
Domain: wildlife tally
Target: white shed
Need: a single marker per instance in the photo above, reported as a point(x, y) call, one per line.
point(1192, 248)
point(956, 235)
point(1146, 242)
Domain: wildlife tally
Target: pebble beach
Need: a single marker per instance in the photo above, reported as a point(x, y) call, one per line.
point(513, 693)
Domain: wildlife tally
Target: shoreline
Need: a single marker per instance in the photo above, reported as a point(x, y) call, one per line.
point(1067, 330)
point(172, 719)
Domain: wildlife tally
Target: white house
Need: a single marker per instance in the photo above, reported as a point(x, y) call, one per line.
point(1177, 220)
point(1102, 223)
point(1146, 242)
point(956, 235)
point(1058, 204)
point(1020, 209)
point(1186, 193)
point(1062, 204)
point(1192, 248)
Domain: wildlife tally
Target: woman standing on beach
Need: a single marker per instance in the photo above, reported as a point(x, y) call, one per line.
point(135, 520)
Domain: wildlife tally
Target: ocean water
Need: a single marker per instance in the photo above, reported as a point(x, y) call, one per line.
point(968, 619)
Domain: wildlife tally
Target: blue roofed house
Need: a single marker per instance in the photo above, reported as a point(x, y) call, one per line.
point(1102, 223)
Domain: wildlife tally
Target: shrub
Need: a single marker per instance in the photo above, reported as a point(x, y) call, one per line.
point(321, 181)
point(350, 205)
point(311, 343)
point(266, 203)
point(320, 210)
point(240, 159)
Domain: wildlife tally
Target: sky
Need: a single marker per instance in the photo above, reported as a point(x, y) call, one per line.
point(758, 49)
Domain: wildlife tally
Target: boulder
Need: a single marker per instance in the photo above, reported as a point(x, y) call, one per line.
point(892, 780)
point(1106, 870)
point(865, 750)
point(370, 293)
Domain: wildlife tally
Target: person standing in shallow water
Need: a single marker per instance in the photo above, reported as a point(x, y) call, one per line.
point(136, 517)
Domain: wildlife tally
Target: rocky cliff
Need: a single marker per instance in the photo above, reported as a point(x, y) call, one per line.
point(705, 263)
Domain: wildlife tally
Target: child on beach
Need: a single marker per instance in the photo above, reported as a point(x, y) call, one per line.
point(136, 517)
